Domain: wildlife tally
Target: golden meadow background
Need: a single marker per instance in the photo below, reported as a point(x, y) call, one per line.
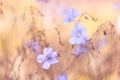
point(19, 20)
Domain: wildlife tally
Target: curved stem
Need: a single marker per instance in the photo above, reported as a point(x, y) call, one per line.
point(85, 13)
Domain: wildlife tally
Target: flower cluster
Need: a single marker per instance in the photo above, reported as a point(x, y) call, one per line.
point(78, 33)
point(77, 37)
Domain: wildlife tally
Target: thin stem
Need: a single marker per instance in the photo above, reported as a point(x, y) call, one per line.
point(59, 37)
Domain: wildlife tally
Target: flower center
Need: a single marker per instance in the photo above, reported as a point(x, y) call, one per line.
point(78, 34)
point(48, 57)
point(71, 18)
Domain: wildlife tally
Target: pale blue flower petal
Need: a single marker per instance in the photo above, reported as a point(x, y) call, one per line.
point(41, 58)
point(65, 21)
point(68, 18)
point(85, 41)
point(62, 77)
point(53, 61)
point(36, 47)
point(78, 26)
point(83, 32)
point(73, 32)
point(47, 51)
point(53, 54)
point(79, 40)
point(82, 41)
point(75, 13)
point(72, 40)
point(79, 50)
point(46, 65)
point(84, 50)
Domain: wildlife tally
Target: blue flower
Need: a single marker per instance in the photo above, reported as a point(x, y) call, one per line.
point(79, 51)
point(36, 47)
point(78, 35)
point(48, 58)
point(62, 77)
point(71, 15)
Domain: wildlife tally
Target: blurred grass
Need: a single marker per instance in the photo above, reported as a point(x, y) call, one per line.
point(13, 28)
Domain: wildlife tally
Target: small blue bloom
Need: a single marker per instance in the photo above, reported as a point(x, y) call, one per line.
point(71, 15)
point(36, 47)
point(79, 51)
point(62, 77)
point(48, 58)
point(78, 35)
